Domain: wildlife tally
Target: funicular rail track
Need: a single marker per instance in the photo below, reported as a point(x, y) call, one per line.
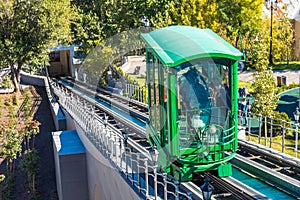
point(235, 191)
point(124, 125)
point(137, 134)
point(271, 167)
point(281, 164)
point(109, 97)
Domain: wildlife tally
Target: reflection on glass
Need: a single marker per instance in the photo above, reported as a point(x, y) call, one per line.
point(203, 102)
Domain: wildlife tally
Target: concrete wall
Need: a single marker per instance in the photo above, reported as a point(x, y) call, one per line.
point(57, 169)
point(29, 79)
point(70, 166)
point(104, 181)
point(73, 177)
point(57, 114)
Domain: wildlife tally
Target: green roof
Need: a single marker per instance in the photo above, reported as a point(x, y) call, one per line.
point(178, 44)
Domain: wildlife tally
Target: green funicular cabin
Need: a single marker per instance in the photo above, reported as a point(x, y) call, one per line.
point(192, 97)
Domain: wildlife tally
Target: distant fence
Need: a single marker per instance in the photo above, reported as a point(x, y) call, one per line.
point(271, 132)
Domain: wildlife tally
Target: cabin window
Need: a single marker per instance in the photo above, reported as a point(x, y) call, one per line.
point(155, 111)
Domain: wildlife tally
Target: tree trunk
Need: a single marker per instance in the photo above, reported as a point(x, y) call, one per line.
point(28, 143)
point(7, 167)
point(10, 167)
point(15, 79)
point(237, 42)
point(18, 75)
point(33, 184)
point(32, 147)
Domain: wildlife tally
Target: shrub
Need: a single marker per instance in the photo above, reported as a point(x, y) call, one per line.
point(278, 119)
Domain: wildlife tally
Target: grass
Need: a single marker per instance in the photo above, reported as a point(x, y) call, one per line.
point(276, 144)
point(140, 80)
point(248, 84)
point(293, 65)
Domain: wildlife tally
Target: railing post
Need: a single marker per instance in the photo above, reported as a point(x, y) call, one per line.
point(146, 178)
point(259, 127)
point(131, 163)
point(121, 157)
point(271, 131)
point(283, 136)
point(138, 171)
point(266, 130)
point(155, 180)
point(165, 186)
point(126, 164)
point(249, 125)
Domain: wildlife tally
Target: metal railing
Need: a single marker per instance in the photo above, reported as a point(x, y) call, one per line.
point(136, 165)
point(136, 92)
point(273, 133)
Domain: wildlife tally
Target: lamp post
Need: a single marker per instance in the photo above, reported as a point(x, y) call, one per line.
point(296, 116)
point(271, 30)
point(206, 189)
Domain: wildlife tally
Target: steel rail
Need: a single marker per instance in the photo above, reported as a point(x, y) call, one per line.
point(274, 158)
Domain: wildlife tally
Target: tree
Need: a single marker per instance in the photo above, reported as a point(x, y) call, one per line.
point(202, 14)
point(28, 28)
point(11, 147)
point(30, 130)
point(30, 164)
point(265, 95)
point(240, 16)
point(282, 38)
point(86, 29)
point(264, 86)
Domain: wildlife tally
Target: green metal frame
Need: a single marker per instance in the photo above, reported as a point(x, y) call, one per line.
point(173, 46)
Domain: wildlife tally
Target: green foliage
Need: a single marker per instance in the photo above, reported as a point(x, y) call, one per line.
point(286, 87)
point(283, 38)
point(86, 29)
point(7, 193)
point(242, 16)
point(8, 103)
point(30, 163)
point(280, 119)
point(6, 82)
point(2, 177)
point(11, 145)
point(248, 84)
point(28, 28)
point(265, 92)
point(292, 65)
